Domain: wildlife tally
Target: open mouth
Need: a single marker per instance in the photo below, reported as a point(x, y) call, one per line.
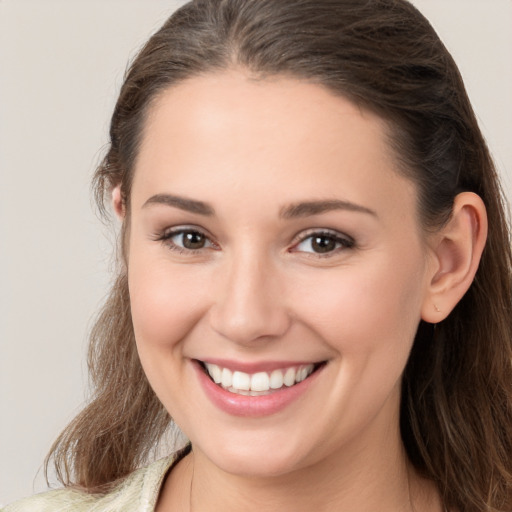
point(260, 383)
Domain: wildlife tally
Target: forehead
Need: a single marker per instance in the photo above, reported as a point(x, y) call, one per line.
point(234, 101)
point(258, 136)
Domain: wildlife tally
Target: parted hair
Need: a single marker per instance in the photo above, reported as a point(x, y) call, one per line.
point(456, 405)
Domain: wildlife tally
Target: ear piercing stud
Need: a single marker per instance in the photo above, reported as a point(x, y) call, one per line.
point(437, 309)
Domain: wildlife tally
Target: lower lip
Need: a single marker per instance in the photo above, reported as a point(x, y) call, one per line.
point(253, 406)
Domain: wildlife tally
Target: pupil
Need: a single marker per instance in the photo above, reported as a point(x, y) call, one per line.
point(193, 240)
point(323, 244)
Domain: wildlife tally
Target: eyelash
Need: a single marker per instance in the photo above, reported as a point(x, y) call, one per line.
point(166, 237)
point(342, 242)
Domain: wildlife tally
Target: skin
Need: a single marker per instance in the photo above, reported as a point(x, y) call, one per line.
point(258, 292)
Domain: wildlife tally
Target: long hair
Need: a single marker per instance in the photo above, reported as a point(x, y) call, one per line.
point(456, 407)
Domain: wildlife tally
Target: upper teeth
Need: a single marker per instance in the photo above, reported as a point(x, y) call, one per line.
point(258, 383)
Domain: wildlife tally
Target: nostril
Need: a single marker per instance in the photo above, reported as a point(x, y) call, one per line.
point(249, 322)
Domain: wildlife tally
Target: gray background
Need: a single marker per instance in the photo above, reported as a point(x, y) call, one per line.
point(61, 63)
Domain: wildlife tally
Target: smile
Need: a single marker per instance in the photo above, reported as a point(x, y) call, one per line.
point(260, 383)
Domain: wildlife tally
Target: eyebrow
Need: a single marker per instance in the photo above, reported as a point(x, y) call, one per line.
point(292, 211)
point(309, 208)
point(189, 205)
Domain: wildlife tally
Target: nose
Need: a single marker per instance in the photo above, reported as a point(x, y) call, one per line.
point(249, 301)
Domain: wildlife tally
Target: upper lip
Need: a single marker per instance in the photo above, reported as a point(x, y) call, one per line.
point(255, 367)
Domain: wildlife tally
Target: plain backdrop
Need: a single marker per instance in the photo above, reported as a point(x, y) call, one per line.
point(61, 65)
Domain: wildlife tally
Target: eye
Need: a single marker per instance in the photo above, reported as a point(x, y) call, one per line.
point(186, 240)
point(323, 243)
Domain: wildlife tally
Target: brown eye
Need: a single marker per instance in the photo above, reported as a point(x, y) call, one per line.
point(193, 240)
point(186, 240)
point(324, 243)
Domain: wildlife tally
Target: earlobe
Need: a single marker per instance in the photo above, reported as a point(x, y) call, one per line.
point(456, 251)
point(117, 202)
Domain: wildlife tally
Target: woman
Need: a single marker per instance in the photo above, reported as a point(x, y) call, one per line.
point(305, 199)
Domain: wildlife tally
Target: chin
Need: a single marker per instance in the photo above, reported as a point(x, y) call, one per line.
point(258, 459)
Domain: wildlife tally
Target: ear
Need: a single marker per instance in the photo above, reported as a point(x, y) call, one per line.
point(118, 203)
point(456, 251)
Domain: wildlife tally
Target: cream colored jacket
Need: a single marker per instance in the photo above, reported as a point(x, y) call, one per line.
point(138, 493)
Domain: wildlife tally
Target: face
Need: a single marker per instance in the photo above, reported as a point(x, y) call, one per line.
point(277, 271)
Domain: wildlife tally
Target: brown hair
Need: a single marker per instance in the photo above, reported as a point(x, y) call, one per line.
point(456, 410)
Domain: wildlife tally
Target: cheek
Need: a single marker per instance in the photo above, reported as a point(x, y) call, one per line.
point(367, 308)
point(165, 303)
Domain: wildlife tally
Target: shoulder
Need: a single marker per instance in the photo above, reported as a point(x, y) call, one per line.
point(57, 500)
point(138, 493)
